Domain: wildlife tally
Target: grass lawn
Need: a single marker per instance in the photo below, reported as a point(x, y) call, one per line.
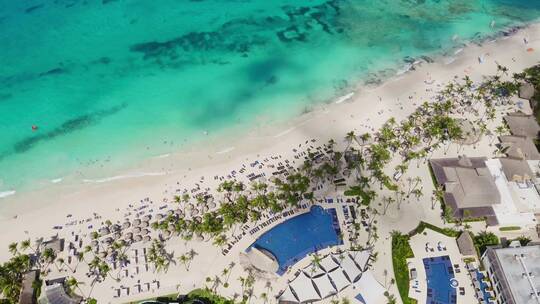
point(509, 228)
point(401, 251)
point(446, 231)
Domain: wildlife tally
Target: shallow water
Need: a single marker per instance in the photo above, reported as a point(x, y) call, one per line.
point(108, 82)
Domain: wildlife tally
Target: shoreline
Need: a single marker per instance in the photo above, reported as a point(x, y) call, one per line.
point(218, 153)
point(370, 81)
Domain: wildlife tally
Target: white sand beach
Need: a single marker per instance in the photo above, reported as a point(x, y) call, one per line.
point(33, 214)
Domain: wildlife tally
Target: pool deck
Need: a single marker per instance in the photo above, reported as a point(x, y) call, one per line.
point(418, 286)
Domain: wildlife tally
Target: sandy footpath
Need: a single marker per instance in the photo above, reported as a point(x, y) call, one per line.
point(33, 214)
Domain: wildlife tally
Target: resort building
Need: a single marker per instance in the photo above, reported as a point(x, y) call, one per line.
point(515, 273)
point(524, 130)
point(503, 190)
point(519, 197)
point(470, 189)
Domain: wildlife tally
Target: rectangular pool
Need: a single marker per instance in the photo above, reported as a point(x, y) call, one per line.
point(440, 276)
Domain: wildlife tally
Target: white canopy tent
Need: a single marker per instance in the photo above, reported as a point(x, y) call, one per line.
point(361, 258)
point(371, 290)
point(339, 279)
point(304, 289)
point(328, 264)
point(324, 286)
point(350, 268)
point(288, 296)
point(313, 271)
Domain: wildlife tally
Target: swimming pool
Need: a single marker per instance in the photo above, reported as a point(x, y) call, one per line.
point(293, 239)
point(439, 274)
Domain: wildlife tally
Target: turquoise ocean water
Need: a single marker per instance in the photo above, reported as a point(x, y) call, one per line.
point(105, 79)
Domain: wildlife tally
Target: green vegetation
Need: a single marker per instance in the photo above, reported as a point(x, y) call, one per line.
point(446, 231)
point(204, 295)
point(401, 251)
point(510, 228)
point(171, 296)
point(207, 297)
point(523, 240)
point(484, 239)
point(11, 275)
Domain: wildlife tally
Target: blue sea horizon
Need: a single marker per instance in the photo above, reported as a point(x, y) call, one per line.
point(86, 84)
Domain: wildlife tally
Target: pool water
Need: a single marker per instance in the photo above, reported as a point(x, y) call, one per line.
point(483, 286)
point(439, 274)
point(295, 238)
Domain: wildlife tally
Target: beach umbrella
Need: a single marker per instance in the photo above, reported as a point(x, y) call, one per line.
point(204, 209)
point(170, 212)
point(166, 233)
point(126, 225)
point(137, 238)
point(159, 216)
point(94, 243)
point(136, 229)
point(212, 205)
point(117, 235)
point(102, 254)
point(136, 222)
point(147, 238)
point(128, 236)
point(144, 224)
point(194, 212)
point(108, 240)
point(145, 232)
point(116, 227)
point(147, 217)
point(190, 207)
point(179, 212)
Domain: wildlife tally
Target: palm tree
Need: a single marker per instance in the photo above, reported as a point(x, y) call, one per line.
point(387, 201)
point(438, 195)
point(26, 245)
point(184, 260)
point(264, 297)
point(48, 257)
point(350, 137)
point(316, 259)
point(13, 248)
point(73, 284)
